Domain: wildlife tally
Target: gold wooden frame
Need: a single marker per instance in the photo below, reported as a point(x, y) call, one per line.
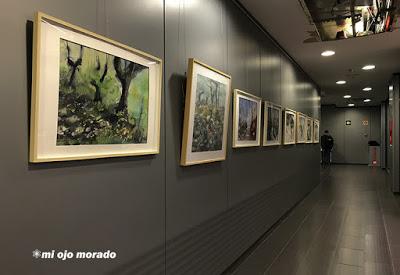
point(316, 121)
point(187, 115)
point(284, 126)
point(236, 94)
point(312, 130)
point(298, 115)
point(33, 154)
point(271, 104)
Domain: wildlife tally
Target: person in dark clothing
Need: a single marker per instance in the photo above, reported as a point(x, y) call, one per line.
point(326, 145)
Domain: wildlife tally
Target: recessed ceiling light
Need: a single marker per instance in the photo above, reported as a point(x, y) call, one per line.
point(347, 96)
point(367, 100)
point(350, 104)
point(341, 82)
point(368, 67)
point(367, 89)
point(328, 53)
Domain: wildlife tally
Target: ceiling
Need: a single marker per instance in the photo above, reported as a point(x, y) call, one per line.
point(286, 21)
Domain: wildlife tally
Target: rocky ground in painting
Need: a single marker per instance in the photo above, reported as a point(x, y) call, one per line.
point(84, 121)
point(208, 129)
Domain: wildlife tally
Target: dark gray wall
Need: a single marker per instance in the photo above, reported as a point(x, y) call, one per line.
point(159, 217)
point(351, 141)
point(393, 114)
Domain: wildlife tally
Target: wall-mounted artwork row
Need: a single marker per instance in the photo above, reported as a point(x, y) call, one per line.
point(289, 123)
point(316, 131)
point(246, 120)
point(206, 114)
point(92, 97)
point(272, 124)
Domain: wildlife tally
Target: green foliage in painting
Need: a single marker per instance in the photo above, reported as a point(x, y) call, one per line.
point(209, 115)
point(103, 99)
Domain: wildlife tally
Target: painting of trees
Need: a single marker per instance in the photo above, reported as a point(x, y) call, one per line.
point(103, 99)
point(209, 115)
point(247, 128)
point(273, 123)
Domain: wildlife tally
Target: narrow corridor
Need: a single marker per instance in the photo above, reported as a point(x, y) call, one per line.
point(353, 228)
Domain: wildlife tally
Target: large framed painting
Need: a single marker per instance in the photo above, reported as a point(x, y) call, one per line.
point(92, 97)
point(316, 131)
point(272, 124)
point(301, 128)
point(206, 114)
point(309, 130)
point(289, 123)
point(246, 119)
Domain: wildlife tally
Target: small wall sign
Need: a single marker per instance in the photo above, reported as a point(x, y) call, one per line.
point(348, 122)
point(365, 122)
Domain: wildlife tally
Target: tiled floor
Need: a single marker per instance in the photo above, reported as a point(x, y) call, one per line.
point(354, 228)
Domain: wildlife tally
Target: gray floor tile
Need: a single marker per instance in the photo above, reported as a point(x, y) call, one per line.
point(350, 256)
point(342, 269)
point(346, 233)
point(353, 242)
point(377, 269)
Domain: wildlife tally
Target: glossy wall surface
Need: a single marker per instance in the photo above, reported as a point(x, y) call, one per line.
point(159, 217)
point(393, 122)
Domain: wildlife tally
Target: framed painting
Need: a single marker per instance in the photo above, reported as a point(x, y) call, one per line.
point(246, 119)
point(92, 97)
point(206, 114)
point(272, 124)
point(289, 123)
point(316, 131)
point(309, 130)
point(301, 128)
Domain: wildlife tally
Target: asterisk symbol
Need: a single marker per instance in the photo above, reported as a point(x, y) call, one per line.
point(36, 253)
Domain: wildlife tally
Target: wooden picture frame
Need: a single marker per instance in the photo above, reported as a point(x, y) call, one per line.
point(206, 118)
point(309, 130)
point(301, 130)
point(272, 132)
point(316, 131)
point(92, 97)
point(289, 127)
point(246, 119)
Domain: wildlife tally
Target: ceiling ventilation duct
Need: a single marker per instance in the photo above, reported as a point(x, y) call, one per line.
point(341, 19)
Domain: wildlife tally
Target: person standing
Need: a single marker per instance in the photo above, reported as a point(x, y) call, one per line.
point(326, 145)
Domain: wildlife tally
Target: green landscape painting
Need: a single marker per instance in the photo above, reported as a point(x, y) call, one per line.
point(103, 99)
point(208, 129)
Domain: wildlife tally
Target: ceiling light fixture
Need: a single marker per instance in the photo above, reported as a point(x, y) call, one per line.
point(341, 82)
point(368, 67)
point(350, 104)
point(347, 96)
point(367, 89)
point(328, 53)
point(367, 100)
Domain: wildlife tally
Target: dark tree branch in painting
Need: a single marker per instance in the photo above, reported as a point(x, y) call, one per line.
point(125, 72)
point(214, 89)
point(93, 82)
point(74, 65)
point(105, 70)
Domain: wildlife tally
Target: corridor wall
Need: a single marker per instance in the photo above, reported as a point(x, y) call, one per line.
point(351, 141)
point(393, 140)
point(159, 217)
